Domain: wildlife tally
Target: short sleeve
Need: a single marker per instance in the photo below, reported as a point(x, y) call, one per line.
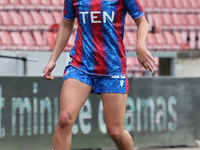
point(69, 11)
point(134, 8)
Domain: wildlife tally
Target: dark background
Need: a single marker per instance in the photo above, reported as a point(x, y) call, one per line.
point(185, 113)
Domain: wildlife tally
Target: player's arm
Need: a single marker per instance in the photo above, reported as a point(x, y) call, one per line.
point(144, 57)
point(62, 38)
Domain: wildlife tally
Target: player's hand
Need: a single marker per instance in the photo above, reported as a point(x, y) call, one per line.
point(144, 57)
point(48, 69)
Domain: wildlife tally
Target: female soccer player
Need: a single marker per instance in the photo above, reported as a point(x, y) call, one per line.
point(98, 64)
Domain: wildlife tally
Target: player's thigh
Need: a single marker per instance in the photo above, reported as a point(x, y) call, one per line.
point(114, 109)
point(73, 95)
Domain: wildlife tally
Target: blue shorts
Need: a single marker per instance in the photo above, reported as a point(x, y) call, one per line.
point(99, 84)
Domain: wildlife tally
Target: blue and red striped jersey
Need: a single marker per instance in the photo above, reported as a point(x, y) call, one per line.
point(99, 47)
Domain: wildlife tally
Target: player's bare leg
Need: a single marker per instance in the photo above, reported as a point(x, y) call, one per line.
point(73, 96)
point(114, 110)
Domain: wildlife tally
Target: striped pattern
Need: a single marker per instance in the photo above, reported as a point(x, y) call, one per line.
point(99, 47)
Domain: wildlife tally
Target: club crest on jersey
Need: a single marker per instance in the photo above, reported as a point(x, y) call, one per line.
point(95, 18)
point(121, 83)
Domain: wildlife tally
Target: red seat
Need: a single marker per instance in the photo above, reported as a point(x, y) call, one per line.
point(132, 64)
point(167, 21)
point(180, 40)
point(29, 41)
point(129, 23)
point(194, 5)
point(58, 5)
point(61, 2)
point(193, 22)
point(40, 41)
point(28, 21)
point(6, 20)
point(37, 4)
point(151, 4)
point(27, 4)
point(198, 18)
point(6, 40)
point(57, 17)
point(17, 4)
point(38, 20)
point(3, 4)
point(47, 17)
point(151, 42)
point(161, 5)
point(48, 5)
point(144, 5)
point(18, 41)
point(198, 3)
point(127, 43)
point(169, 4)
point(132, 38)
point(178, 5)
point(157, 21)
point(17, 20)
point(161, 41)
point(56, 2)
point(177, 22)
point(170, 40)
point(50, 37)
point(184, 21)
point(187, 6)
point(1, 22)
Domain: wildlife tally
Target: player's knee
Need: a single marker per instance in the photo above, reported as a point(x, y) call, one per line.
point(65, 120)
point(114, 133)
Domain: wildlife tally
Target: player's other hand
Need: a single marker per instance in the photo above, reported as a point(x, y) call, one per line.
point(144, 57)
point(48, 69)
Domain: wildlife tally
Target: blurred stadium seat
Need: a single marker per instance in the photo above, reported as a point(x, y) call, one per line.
point(151, 42)
point(18, 41)
point(6, 40)
point(129, 23)
point(47, 17)
point(161, 42)
point(170, 40)
point(130, 40)
point(40, 41)
point(180, 40)
point(57, 17)
point(29, 41)
point(17, 20)
point(38, 20)
point(7, 22)
point(28, 21)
